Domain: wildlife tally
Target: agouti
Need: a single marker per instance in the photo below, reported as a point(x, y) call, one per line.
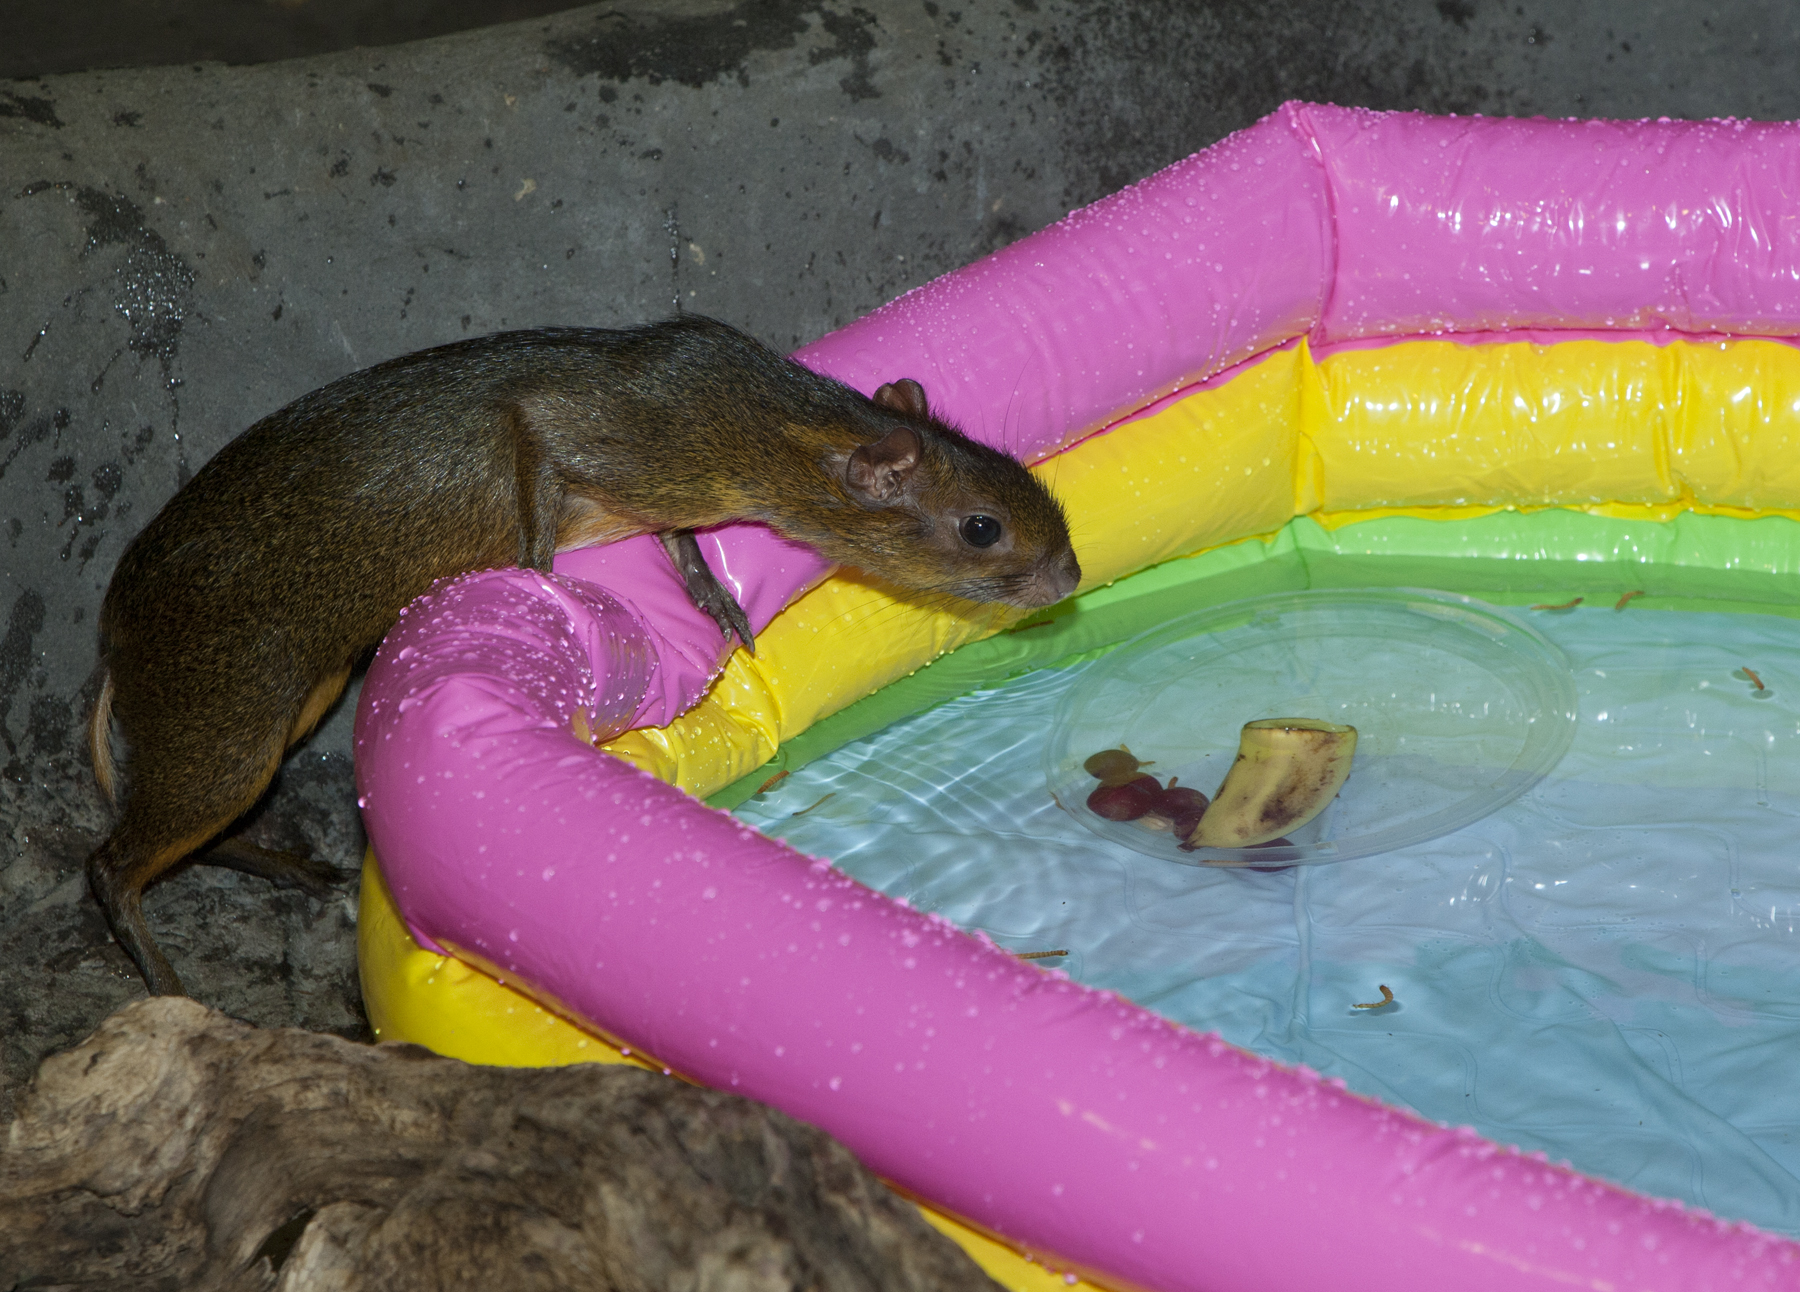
point(234, 619)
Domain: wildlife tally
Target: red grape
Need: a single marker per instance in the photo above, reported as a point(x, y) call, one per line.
point(1177, 801)
point(1185, 825)
point(1125, 802)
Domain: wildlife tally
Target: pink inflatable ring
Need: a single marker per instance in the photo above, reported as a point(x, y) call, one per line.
point(1063, 1119)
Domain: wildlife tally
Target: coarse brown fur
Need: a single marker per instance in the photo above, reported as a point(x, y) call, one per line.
point(235, 617)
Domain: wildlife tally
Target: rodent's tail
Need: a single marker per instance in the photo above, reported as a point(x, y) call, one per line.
point(100, 737)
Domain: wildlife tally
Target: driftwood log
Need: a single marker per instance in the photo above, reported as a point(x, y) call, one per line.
point(177, 1148)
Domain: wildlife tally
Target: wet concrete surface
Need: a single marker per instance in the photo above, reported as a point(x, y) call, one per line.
point(185, 249)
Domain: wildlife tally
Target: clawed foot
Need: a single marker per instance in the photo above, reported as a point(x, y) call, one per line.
point(704, 588)
point(310, 875)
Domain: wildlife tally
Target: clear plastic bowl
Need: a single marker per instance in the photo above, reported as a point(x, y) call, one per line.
point(1459, 708)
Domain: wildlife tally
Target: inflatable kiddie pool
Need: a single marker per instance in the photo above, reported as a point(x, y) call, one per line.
point(1553, 351)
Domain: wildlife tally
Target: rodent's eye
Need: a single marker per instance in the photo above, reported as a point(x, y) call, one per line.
point(980, 531)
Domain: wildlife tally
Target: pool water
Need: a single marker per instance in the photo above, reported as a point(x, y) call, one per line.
point(1606, 969)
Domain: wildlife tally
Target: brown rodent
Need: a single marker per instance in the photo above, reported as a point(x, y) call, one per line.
point(234, 619)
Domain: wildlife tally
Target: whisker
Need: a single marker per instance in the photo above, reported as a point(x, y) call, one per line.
point(1006, 436)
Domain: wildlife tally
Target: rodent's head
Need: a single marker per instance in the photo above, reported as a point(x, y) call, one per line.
point(935, 511)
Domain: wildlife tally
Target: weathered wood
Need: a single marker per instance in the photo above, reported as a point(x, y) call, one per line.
point(177, 1148)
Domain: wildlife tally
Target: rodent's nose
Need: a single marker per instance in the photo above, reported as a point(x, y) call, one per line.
point(1056, 579)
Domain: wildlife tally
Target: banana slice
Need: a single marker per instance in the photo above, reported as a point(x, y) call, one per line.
point(1287, 772)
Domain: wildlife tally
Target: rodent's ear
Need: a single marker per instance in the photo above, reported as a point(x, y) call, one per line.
point(880, 471)
point(903, 396)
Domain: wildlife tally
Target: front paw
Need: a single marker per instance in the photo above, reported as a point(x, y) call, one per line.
point(705, 590)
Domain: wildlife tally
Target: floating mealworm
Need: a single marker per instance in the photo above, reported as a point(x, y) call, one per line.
point(1038, 955)
point(770, 783)
point(1749, 675)
point(1624, 600)
point(1567, 605)
point(803, 811)
point(1387, 998)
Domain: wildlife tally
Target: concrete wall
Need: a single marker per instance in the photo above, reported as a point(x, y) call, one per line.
point(185, 249)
